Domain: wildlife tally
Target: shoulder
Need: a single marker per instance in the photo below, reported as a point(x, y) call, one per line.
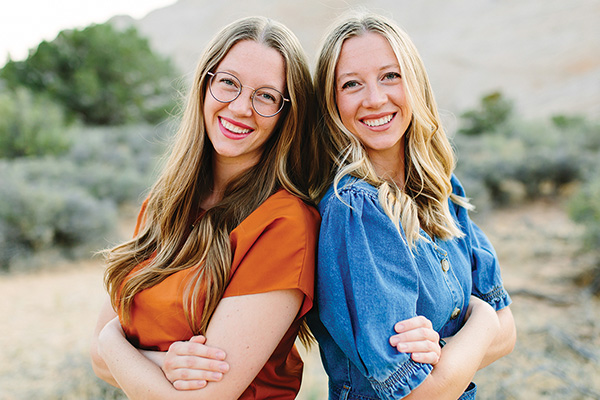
point(282, 209)
point(457, 187)
point(349, 192)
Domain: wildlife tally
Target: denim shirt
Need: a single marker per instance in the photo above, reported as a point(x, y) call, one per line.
point(368, 279)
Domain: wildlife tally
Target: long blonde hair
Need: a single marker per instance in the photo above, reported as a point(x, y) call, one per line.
point(429, 160)
point(171, 239)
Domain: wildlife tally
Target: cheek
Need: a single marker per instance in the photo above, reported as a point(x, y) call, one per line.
point(346, 111)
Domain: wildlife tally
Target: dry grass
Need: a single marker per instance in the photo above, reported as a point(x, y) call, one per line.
point(48, 318)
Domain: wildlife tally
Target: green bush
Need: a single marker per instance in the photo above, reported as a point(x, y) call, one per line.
point(527, 159)
point(101, 75)
point(69, 204)
point(31, 125)
point(494, 110)
point(37, 217)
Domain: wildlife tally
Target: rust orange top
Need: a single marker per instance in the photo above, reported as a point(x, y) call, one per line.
point(273, 249)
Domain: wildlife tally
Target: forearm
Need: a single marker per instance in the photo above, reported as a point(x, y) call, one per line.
point(100, 368)
point(504, 342)
point(460, 358)
point(135, 374)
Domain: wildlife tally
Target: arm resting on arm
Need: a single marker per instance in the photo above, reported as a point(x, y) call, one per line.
point(240, 326)
point(461, 356)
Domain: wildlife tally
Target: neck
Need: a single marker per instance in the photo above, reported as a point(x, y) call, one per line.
point(224, 171)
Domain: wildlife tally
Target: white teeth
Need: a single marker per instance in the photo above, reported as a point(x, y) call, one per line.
point(233, 128)
point(378, 122)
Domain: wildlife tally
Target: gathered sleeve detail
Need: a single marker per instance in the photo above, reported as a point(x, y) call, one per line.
point(487, 277)
point(367, 281)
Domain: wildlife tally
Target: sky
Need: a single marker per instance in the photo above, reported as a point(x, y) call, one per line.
point(25, 23)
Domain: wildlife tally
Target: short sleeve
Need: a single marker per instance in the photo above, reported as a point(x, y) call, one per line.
point(367, 281)
point(275, 249)
point(487, 277)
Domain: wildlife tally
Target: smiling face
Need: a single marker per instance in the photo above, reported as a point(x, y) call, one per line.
point(236, 131)
point(370, 98)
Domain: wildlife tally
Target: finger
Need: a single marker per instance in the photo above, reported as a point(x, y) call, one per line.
point(189, 385)
point(412, 323)
point(415, 335)
point(419, 347)
point(425, 358)
point(185, 374)
point(196, 349)
point(198, 339)
point(196, 363)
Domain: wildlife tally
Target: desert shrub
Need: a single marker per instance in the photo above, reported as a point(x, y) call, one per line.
point(526, 159)
point(494, 110)
point(37, 217)
point(70, 204)
point(584, 207)
point(31, 125)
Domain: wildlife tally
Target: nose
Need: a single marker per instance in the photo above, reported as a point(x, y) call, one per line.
point(242, 105)
point(375, 96)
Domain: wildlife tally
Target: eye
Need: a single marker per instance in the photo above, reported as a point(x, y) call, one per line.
point(391, 76)
point(349, 85)
point(266, 96)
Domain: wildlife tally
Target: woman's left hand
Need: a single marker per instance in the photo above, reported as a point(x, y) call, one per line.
point(416, 336)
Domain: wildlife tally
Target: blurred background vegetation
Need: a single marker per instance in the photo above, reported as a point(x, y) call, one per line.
point(82, 124)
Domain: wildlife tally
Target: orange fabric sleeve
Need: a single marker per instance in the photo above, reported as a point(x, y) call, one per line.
point(275, 249)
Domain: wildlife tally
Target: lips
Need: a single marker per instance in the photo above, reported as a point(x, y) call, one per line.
point(377, 121)
point(234, 130)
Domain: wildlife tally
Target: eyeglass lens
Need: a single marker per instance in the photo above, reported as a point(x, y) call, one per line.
point(225, 88)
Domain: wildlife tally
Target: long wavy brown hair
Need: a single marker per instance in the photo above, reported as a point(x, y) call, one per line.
point(165, 242)
point(429, 158)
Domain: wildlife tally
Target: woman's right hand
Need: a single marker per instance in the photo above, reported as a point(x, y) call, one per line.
point(192, 364)
point(417, 336)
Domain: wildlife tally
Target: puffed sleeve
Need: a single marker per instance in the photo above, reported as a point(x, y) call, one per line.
point(366, 282)
point(487, 277)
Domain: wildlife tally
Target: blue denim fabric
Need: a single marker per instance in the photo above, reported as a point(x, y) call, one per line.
point(368, 279)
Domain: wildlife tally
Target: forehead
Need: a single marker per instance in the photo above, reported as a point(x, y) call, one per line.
point(365, 52)
point(255, 64)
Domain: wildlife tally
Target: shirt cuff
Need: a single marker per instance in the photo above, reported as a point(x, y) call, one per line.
point(402, 381)
point(498, 298)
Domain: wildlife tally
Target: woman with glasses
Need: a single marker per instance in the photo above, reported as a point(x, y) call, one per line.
point(225, 243)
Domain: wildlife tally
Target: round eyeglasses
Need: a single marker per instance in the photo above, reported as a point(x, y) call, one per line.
point(225, 88)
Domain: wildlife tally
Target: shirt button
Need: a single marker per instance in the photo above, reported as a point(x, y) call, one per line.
point(445, 265)
point(455, 313)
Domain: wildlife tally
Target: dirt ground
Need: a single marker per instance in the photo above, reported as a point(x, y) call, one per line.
point(48, 317)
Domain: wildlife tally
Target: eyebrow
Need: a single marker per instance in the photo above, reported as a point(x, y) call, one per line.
point(263, 85)
point(350, 74)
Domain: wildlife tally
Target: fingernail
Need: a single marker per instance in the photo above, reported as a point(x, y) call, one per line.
point(220, 355)
point(217, 375)
point(223, 367)
point(399, 327)
point(402, 346)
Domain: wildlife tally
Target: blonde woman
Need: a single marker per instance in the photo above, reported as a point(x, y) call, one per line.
point(396, 240)
point(225, 243)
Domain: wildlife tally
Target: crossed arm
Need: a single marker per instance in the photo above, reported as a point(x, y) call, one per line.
point(239, 327)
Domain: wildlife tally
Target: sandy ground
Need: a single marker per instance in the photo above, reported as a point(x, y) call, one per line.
point(48, 317)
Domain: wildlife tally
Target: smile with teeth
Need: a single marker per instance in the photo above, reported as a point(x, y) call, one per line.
point(233, 128)
point(373, 123)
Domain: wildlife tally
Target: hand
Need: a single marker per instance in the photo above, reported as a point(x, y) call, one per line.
point(416, 336)
point(191, 365)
